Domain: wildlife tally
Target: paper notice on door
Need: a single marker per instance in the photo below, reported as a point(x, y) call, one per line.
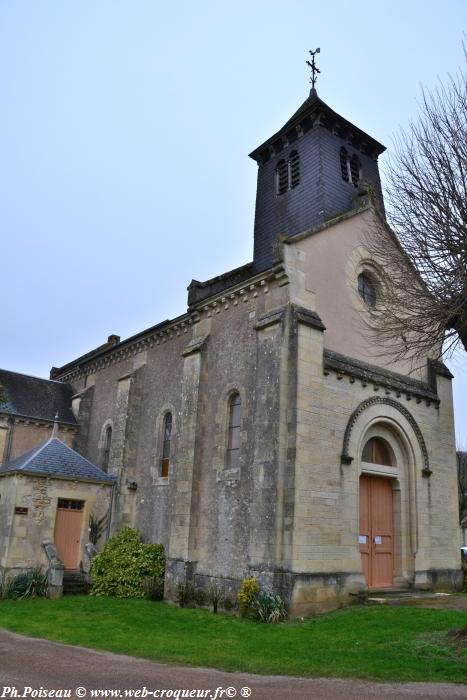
point(362, 539)
point(378, 539)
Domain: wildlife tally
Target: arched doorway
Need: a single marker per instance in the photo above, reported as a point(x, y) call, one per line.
point(384, 418)
point(376, 532)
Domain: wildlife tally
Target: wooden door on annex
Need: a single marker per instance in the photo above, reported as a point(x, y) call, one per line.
point(67, 534)
point(376, 531)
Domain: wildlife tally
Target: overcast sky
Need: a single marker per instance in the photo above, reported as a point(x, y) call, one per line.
point(125, 130)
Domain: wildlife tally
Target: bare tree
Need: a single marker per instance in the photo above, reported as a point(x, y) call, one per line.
point(426, 183)
point(462, 484)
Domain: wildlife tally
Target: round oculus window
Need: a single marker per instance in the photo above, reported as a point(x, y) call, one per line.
point(367, 290)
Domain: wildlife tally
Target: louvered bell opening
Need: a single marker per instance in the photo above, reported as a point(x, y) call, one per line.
point(294, 169)
point(282, 177)
point(344, 168)
point(355, 170)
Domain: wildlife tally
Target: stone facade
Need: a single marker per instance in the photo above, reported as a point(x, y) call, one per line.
point(291, 336)
point(289, 513)
point(28, 506)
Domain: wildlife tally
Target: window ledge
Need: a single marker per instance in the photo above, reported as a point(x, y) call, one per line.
point(161, 481)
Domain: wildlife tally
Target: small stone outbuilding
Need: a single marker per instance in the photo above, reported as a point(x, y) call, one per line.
point(47, 496)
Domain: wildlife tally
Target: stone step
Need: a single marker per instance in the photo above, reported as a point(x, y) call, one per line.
point(74, 583)
point(391, 596)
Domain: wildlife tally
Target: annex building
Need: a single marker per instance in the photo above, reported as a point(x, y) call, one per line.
point(264, 432)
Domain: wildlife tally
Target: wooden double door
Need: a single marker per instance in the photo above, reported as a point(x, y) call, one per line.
point(376, 537)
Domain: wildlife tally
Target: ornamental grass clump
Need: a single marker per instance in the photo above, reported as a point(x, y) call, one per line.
point(123, 567)
point(269, 608)
point(31, 584)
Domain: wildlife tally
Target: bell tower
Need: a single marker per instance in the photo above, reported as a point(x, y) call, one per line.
point(309, 172)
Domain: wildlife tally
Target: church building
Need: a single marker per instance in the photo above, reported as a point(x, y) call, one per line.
point(264, 432)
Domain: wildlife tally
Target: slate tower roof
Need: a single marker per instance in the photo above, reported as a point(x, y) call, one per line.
point(304, 178)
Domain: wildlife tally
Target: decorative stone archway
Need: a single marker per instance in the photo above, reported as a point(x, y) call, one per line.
point(346, 456)
point(390, 420)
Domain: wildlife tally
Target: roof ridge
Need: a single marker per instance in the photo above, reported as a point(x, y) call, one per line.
point(32, 376)
point(34, 452)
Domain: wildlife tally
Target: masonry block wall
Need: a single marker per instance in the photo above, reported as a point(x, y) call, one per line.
point(289, 513)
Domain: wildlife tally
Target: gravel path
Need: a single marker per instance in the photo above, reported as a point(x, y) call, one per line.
point(35, 663)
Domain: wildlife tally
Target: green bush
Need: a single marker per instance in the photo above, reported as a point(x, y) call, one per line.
point(124, 564)
point(246, 595)
point(184, 593)
point(270, 608)
point(31, 584)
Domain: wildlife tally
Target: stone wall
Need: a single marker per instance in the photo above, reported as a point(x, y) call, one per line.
point(37, 497)
point(292, 344)
point(19, 435)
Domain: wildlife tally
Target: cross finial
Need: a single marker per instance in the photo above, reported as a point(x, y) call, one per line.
point(55, 428)
point(314, 69)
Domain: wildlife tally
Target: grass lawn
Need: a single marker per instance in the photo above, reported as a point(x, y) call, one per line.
point(385, 643)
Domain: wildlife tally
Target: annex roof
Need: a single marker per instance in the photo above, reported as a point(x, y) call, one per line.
point(33, 397)
point(54, 459)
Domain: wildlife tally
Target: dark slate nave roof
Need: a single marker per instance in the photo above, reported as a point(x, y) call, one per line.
point(33, 397)
point(54, 459)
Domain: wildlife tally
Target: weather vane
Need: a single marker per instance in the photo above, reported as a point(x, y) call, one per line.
point(314, 68)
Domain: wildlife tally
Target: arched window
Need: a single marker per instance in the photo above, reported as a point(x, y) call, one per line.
point(233, 435)
point(288, 173)
point(282, 177)
point(294, 169)
point(344, 159)
point(166, 440)
point(355, 169)
point(367, 289)
point(107, 446)
point(377, 451)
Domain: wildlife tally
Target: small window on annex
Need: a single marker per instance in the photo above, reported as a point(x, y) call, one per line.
point(377, 451)
point(166, 443)
point(106, 450)
point(367, 289)
point(233, 435)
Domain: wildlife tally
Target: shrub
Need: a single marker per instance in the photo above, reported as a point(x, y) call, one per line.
point(185, 593)
point(215, 595)
point(199, 596)
point(246, 595)
point(31, 584)
point(153, 587)
point(229, 603)
point(123, 565)
point(269, 608)
point(96, 528)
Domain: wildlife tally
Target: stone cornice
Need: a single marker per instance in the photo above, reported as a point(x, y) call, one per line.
point(270, 319)
point(195, 345)
point(400, 384)
point(167, 330)
point(308, 318)
point(157, 336)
